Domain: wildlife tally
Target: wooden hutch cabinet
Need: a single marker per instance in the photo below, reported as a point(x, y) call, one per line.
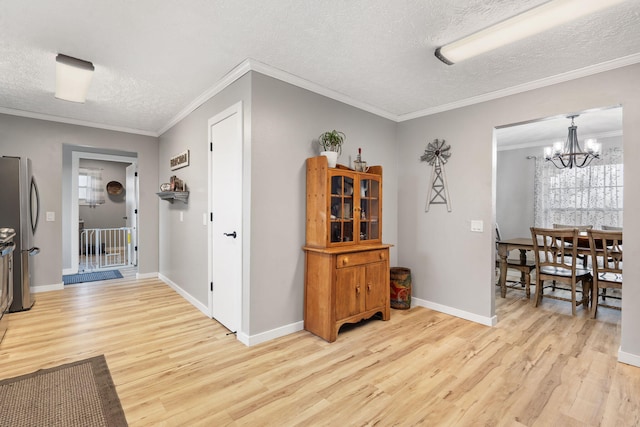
point(346, 263)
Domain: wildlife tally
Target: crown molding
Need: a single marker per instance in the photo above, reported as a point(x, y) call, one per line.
point(547, 142)
point(253, 65)
point(320, 90)
point(537, 84)
point(50, 118)
point(238, 71)
point(262, 68)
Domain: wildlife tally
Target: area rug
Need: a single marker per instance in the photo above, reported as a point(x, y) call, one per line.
point(71, 279)
point(80, 393)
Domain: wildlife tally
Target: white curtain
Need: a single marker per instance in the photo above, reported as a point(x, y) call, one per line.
point(94, 191)
point(580, 196)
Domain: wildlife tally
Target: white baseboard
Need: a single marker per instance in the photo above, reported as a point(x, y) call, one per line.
point(483, 320)
point(628, 358)
point(47, 288)
point(250, 340)
point(184, 294)
point(147, 275)
point(245, 339)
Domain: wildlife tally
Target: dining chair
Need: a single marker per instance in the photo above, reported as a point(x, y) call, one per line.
point(581, 229)
point(606, 255)
point(523, 266)
point(611, 228)
point(556, 260)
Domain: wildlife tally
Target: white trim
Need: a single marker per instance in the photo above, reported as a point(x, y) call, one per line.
point(483, 320)
point(316, 88)
point(250, 340)
point(628, 358)
point(184, 294)
point(537, 84)
point(253, 65)
point(546, 142)
point(228, 79)
point(47, 288)
point(50, 118)
point(76, 155)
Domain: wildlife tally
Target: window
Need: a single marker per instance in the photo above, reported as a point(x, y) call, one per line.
point(90, 190)
point(582, 196)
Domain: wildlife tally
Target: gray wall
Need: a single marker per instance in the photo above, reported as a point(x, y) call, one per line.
point(184, 244)
point(514, 191)
point(281, 121)
point(42, 141)
point(285, 122)
point(454, 266)
point(110, 214)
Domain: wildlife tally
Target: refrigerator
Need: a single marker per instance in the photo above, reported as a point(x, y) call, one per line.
point(20, 209)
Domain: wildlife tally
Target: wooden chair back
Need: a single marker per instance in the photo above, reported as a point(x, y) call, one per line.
point(556, 251)
point(606, 248)
point(581, 228)
point(611, 227)
point(606, 259)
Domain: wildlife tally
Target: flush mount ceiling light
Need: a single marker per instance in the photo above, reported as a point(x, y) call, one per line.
point(533, 21)
point(73, 77)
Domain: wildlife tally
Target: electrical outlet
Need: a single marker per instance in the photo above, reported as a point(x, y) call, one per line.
point(181, 216)
point(51, 216)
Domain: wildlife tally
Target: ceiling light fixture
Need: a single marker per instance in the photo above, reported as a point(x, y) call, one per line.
point(73, 77)
point(571, 154)
point(533, 21)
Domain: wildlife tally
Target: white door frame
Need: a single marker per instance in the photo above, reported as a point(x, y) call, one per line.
point(242, 333)
point(132, 217)
point(75, 165)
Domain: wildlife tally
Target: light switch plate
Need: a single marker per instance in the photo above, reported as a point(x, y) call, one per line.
point(477, 225)
point(181, 216)
point(51, 216)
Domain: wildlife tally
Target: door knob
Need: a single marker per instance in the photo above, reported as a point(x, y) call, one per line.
point(234, 235)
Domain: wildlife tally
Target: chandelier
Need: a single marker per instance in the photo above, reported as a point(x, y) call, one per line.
point(570, 154)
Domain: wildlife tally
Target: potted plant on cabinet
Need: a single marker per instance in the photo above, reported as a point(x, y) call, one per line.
point(331, 143)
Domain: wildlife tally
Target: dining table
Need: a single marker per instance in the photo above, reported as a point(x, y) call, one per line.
point(525, 244)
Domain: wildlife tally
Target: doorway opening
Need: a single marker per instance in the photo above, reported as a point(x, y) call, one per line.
point(101, 217)
point(530, 191)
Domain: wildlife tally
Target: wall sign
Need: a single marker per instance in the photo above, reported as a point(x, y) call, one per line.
point(179, 161)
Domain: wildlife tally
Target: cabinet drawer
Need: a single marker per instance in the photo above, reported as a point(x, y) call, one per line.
point(359, 258)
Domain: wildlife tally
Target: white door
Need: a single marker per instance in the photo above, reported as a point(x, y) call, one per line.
point(225, 131)
point(132, 212)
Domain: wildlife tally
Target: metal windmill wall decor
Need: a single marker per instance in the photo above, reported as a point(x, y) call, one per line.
point(437, 154)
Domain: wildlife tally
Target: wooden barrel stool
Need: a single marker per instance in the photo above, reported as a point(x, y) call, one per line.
point(400, 284)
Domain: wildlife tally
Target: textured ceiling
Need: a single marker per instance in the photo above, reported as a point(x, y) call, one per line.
point(154, 58)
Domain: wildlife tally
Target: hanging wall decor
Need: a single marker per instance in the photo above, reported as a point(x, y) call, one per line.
point(179, 161)
point(437, 154)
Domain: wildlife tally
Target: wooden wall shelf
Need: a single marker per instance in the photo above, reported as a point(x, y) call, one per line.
point(170, 196)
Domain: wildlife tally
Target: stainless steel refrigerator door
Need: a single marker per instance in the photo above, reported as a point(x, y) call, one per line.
point(15, 175)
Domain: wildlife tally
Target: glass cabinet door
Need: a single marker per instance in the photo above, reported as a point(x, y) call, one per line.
point(369, 209)
point(342, 208)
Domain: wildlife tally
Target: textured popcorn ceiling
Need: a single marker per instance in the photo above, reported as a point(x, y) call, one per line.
point(155, 57)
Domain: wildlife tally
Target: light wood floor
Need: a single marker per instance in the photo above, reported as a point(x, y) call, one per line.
point(173, 366)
